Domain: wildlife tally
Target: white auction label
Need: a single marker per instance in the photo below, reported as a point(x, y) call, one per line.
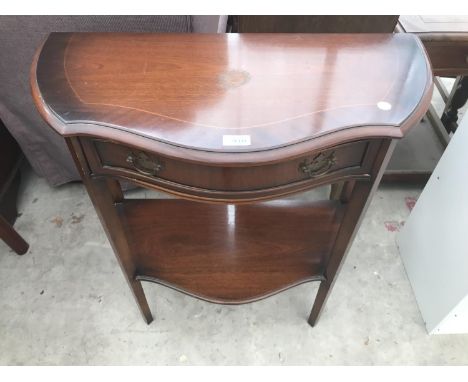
point(236, 140)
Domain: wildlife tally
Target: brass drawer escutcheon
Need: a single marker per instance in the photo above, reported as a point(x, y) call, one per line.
point(319, 165)
point(144, 164)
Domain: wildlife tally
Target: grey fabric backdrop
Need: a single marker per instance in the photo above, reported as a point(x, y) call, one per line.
point(19, 38)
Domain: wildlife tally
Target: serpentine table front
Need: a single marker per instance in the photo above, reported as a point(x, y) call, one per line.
point(231, 124)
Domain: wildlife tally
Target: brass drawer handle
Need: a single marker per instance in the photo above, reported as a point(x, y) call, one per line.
point(144, 164)
point(319, 165)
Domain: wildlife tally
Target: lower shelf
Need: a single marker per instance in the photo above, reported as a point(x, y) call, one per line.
point(230, 254)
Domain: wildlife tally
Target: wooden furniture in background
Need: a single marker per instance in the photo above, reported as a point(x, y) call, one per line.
point(11, 158)
point(446, 41)
point(313, 24)
point(233, 121)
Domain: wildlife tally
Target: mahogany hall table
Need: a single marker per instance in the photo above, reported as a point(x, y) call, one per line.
point(228, 123)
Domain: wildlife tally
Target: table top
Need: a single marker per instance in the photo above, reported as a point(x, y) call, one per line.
point(231, 92)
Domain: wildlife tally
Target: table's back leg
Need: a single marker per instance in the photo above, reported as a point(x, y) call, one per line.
point(357, 196)
point(335, 190)
point(104, 194)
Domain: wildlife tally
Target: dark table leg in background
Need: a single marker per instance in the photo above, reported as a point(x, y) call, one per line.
point(8, 215)
point(10, 178)
point(12, 238)
point(450, 116)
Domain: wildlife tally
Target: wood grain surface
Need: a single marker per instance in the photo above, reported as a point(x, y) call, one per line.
point(191, 90)
point(228, 253)
point(238, 184)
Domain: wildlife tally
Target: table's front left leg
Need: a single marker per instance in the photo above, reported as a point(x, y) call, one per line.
point(105, 193)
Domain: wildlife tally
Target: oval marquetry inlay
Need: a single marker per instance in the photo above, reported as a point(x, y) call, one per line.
point(233, 78)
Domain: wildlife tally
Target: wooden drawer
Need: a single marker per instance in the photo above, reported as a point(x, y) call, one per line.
point(106, 157)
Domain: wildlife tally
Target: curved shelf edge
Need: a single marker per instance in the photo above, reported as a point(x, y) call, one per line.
point(226, 301)
point(226, 253)
point(239, 197)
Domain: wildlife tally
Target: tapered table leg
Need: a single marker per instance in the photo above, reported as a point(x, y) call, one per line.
point(12, 238)
point(357, 196)
point(106, 194)
point(319, 302)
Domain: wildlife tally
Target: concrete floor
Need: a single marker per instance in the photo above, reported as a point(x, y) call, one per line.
point(66, 302)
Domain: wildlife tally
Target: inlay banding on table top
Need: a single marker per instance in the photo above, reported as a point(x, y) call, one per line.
point(283, 93)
